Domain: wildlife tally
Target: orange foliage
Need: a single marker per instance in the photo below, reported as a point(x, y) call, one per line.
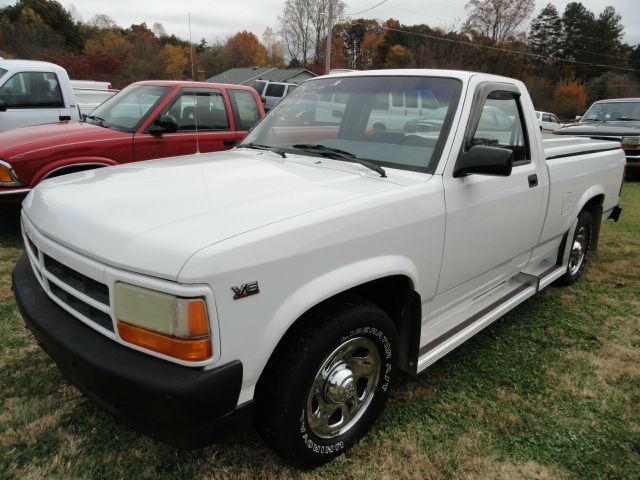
point(245, 50)
point(570, 99)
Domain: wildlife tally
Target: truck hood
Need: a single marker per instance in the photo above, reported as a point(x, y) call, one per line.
point(150, 217)
point(598, 129)
point(18, 143)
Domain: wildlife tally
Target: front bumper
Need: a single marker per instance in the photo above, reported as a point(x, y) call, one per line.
point(183, 406)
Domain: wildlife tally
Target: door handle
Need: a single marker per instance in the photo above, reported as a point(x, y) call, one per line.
point(62, 118)
point(533, 180)
point(229, 142)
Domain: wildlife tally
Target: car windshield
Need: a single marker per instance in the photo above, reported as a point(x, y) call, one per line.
point(613, 112)
point(127, 109)
point(370, 118)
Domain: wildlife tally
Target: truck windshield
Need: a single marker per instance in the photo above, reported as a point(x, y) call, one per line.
point(397, 122)
point(613, 112)
point(126, 110)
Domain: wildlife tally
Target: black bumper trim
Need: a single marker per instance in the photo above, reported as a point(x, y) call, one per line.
point(183, 406)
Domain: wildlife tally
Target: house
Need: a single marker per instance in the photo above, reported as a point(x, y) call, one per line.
point(244, 76)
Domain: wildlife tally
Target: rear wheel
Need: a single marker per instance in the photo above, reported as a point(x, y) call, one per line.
point(580, 247)
point(327, 383)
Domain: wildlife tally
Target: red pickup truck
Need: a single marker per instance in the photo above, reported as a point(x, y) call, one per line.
point(146, 120)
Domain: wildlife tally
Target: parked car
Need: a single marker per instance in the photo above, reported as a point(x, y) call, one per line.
point(290, 280)
point(548, 121)
point(32, 93)
point(146, 120)
point(272, 92)
point(492, 119)
point(617, 120)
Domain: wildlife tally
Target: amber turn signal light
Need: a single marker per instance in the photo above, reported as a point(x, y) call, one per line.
point(188, 350)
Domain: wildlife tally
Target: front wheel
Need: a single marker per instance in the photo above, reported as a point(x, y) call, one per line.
point(580, 249)
point(327, 383)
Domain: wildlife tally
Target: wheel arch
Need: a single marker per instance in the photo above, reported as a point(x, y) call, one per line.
point(593, 203)
point(393, 291)
point(70, 166)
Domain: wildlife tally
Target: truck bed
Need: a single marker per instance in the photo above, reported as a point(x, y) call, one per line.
point(571, 146)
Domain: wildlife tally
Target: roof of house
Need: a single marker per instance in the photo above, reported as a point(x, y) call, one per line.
point(242, 76)
point(285, 74)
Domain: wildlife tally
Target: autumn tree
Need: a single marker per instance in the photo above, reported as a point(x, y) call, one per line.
point(497, 20)
point(570, 99)
point(244, 50)
point(273, 46)
point(176, 62)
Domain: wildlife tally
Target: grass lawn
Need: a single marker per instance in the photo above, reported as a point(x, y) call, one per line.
point(552, 390)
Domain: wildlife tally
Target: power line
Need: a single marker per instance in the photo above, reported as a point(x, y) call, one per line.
point(514, 52)
point(371, 8)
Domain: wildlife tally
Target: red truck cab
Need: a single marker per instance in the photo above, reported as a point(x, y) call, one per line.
point(146, 120)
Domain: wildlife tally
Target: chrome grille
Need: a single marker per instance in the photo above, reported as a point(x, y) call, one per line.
point(85, 297)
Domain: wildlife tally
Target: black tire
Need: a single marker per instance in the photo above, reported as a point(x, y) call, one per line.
point(576, 267)
point(284, 402)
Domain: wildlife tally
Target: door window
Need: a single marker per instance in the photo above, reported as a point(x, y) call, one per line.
point(501, 125)
point(200, 110)
point(32, 90)
point(245, 109)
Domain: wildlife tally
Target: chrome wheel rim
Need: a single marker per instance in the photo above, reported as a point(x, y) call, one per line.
point(343, 387)
point(578, 250)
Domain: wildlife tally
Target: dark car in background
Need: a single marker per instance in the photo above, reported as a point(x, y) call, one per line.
point(616, 119)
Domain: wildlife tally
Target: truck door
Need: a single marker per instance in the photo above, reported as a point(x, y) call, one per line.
point(493, 222)
point(246, 112)
point(30, 98)
point(199, 112)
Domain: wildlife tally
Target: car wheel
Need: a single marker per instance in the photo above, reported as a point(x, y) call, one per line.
point(580, 247)
point(327, 382)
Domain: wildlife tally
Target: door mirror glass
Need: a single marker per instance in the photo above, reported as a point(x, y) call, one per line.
point(484, 160)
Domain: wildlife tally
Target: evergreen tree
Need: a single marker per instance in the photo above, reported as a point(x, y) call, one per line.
point(545, 35)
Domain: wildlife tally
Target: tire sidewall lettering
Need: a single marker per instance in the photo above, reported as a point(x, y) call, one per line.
point(306, 436)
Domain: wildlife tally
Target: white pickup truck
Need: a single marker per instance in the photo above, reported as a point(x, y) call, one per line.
point(289, 280)
point(34, 93)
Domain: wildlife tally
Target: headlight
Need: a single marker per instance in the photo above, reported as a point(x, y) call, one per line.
point(630, 142)
point(8, 177)
point(174, 326)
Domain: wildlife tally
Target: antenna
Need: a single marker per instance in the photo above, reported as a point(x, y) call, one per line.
point(193, 83)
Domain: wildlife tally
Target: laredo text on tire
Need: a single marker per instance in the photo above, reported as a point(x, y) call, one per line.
point(327, 382)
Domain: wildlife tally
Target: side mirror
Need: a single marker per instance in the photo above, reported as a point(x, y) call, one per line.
point(578, 118)
point(3, 107)
point(166, 124)
point(484, 160)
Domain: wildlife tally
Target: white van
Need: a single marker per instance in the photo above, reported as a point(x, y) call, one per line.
point(32, 93)
point(390, 113)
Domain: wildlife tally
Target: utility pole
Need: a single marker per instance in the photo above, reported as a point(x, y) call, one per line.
point(329, 32)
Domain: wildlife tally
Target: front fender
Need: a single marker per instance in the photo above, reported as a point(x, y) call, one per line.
point(329, 285)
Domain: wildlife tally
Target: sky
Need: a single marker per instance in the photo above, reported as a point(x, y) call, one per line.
point(216, 19)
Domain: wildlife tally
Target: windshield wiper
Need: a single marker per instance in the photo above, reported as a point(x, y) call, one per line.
point(337, 154)
point(627, 119)
point(257, 146)
point(97, 119)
